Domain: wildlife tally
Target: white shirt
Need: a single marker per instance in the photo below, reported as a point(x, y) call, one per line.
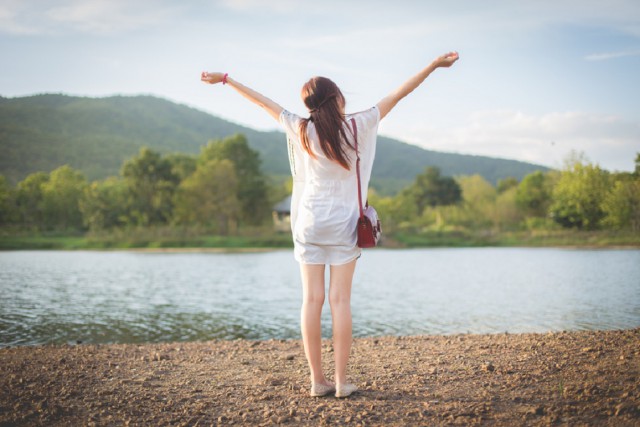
point(324, 204)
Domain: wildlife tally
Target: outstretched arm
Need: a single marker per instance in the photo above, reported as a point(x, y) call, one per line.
point(387, 103)
point(269, 106)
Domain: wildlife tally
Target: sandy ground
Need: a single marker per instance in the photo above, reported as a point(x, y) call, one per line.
point(565, 378)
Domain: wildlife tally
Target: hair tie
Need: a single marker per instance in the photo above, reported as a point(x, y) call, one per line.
point(224, 78)
point(313, 110)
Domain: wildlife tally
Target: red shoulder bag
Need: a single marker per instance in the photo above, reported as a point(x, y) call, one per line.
point(368, 227)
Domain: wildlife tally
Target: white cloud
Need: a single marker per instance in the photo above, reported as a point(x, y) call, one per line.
point(13, 18)
point(610, 141)
point(89, 16)
point(611, 55)
point(619, 14)
point(279, 6)
point(107, 16)
point(468, 17)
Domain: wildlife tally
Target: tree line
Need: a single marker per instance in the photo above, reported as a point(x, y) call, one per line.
point(220, 189)
point(223, 189)
point(581, 196)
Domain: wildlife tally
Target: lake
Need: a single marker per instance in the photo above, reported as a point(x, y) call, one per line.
point(134, 297)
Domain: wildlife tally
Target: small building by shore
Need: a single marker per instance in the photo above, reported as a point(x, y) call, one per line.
point(282, 215)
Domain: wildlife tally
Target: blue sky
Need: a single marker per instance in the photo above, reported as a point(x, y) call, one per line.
point(535, 79)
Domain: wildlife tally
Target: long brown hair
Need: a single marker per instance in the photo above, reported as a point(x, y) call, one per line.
point(325, 102)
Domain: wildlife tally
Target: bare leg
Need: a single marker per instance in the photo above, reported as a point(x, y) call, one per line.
point(312, 301)
point(340, 300)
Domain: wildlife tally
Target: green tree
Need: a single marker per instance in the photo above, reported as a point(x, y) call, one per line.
point(507, 214)
point(29, 200)
point(579, 194)
point(252, 190)
point(636, 171)
point(622, 205)
point(209, 197)
point(533, 195)
point(151, 182)
point(476, 190)
point(182, 165)
point(506, 183)
point(400, 210)
point(431, 189)
point(61, 197)
point(479, 198)
point(386, 208)
point(451, 217)
point(104, 204)
point(8, 210)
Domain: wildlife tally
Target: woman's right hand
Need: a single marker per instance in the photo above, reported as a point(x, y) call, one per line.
point(387, 103)
point(446, 60)
point(211, 78)
point(257, 98)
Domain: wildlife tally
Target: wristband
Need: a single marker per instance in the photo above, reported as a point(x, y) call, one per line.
point(224, 78)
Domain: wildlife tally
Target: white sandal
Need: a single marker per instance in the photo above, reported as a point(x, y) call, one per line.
point(345, 390)
point(319, 390)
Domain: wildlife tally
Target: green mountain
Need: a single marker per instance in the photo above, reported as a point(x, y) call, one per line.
point(96, 135)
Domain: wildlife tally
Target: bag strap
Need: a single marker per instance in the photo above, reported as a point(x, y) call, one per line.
point(355, 137)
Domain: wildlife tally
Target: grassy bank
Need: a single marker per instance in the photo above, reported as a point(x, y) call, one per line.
point(261, 238)
point(139, 242)
point(561, 238)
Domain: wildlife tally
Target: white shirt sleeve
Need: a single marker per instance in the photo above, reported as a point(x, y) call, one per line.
point(370, 118)
point(290, 123)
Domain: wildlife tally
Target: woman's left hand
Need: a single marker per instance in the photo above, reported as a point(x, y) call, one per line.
point(211, 78)
point(446, 60)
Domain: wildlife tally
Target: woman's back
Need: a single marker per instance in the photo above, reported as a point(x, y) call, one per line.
point(324, 204)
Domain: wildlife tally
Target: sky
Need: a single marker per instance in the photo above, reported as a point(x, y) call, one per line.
point(535, 81)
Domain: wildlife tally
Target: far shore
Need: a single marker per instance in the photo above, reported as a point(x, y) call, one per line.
point(266, 239)
point(199, 250)
point(259, 250)
point(283, 241)
point(247, 250)
point(565, 378)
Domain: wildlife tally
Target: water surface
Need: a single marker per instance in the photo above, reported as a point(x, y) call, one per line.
point(104, 297)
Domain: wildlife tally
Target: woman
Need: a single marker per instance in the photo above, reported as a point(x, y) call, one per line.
point(324, 208)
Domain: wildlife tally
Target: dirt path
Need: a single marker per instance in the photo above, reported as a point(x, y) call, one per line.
point(577, 378)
